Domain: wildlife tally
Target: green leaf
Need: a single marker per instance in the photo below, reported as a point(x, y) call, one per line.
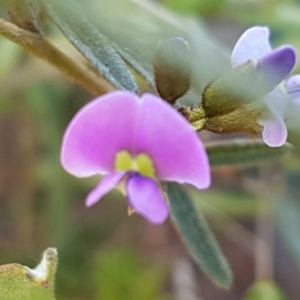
point(77, 28)
point(197, 236)
point(18, 282)
point(265, 290)
point(134, 47)
point(134, 29)
point(243, 152)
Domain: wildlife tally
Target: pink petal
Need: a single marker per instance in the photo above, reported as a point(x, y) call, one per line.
point(97, 132)
point(146, 199)
point(105, 186)
point(172, 144)
point(274, 132)
point(253, 44)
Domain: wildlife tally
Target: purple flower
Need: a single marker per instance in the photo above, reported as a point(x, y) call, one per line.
point(135, 143)
point(276, 65)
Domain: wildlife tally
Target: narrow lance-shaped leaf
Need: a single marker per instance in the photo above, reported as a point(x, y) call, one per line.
point(68, 16)
point(18, 282)
point(197, 236)
point(243, 152)
point(142, 68)
point(136, 56)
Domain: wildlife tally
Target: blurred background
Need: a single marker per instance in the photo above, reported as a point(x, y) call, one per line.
point(104, 254)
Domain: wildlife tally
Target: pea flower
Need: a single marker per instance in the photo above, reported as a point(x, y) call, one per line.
point(135, 143)
point(254, 44)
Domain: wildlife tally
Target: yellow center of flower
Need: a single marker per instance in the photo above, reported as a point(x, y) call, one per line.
point(141, 163)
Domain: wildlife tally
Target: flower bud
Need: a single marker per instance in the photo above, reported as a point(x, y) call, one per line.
point(172, 69)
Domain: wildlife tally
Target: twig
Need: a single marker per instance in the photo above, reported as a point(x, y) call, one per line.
point(36, 44)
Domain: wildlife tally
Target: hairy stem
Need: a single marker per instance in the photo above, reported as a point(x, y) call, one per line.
point(36, 44)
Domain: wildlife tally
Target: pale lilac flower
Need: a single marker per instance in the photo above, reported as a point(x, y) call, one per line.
point(292, 87)
point(135, 143)
point(276, 66)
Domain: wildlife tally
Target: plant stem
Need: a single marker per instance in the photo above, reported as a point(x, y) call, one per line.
point(36, 44)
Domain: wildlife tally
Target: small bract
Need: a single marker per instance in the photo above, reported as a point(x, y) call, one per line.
point(138, 142)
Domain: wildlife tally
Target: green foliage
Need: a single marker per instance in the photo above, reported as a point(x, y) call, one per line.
point(243, 152)
point(108, 32)
point(121, 275)
point(18, 282)
point(265, 290)
point(129, 31)
point(132, 39)
point(198, 236)
point(93, 45)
